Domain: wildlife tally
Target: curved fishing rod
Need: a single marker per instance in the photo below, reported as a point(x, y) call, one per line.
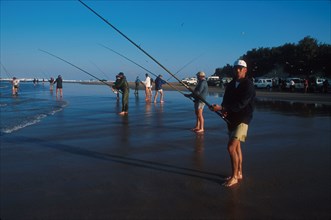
point(163, 67)
point(75, 66)
point(140, 66)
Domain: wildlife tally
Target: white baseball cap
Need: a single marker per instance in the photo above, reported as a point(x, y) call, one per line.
point(240, 63)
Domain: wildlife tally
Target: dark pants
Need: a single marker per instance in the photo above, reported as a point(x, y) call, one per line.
point(125, 100)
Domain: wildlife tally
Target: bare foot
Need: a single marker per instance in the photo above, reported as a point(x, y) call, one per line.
point(194, 129)
point(239, 176)
point(123, 113)
point(231, 182)
point(199, 131)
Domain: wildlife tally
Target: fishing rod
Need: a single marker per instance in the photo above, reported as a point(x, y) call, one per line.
point(157, 62)
point(140, 66)
point(117, 91)
point(100, 70)
point(185, 66)
point(4, 68)
point(74, 66)
point(127, 59)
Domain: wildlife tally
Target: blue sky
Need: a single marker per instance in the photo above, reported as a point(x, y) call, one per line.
point(174, 32)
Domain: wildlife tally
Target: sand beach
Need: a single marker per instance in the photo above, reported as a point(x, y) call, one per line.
point(84, 161)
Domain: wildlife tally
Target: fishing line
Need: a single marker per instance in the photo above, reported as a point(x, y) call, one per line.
point(74, 66)
point(140, 66)
point(6, 71)
point(185, 66)
point(163, 67)
point(100, 70)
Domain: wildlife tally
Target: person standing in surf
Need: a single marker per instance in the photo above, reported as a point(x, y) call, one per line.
point(136, 88)
point(15, 83)
point(122, 85)
point(51, 84)
point(148, 88)
point(237, 107)
point(158, 88)
point(200, 90)
point(59, 85)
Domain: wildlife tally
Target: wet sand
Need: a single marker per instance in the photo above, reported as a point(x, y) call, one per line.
point(87, 162)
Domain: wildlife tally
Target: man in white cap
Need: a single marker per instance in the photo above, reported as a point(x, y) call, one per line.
point(201, 90)
point(237, 107)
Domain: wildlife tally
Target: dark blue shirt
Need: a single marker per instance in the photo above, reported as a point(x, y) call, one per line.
point(158, 83)
point(239, 102)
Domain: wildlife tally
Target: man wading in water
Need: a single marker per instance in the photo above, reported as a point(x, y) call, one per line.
point(122, 85)
point(237, 107)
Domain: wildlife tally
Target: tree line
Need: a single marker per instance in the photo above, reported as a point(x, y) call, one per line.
point(305, 59)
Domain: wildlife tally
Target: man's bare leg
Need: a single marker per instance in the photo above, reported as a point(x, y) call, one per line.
point(239, 154)
point(155, 97)
point(232, 148)
point(200, 120)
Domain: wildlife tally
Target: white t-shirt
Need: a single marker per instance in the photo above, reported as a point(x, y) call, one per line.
point(148, 81)
point(16, 82)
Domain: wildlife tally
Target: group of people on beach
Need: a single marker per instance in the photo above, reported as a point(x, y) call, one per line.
point(148, 84)
point(59, 85)
point(122, 86)
point(237, 108)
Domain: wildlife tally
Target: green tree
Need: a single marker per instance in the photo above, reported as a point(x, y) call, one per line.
point(308, 57)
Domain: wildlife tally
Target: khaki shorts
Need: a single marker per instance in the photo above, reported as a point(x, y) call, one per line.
point(198, 105)
point(240, 133)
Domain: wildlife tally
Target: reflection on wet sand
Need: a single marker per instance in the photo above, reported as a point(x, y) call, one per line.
point(294, 108)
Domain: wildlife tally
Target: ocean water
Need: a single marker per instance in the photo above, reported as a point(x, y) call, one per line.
point(36, 102)
point(77, 157)
point(33, 104)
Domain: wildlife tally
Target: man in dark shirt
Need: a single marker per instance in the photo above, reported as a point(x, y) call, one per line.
point(237, 107)
point(158, 88)
point(122, 85)
point(59, 86)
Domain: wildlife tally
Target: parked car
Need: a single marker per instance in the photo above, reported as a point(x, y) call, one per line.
point(263, 83)
point(226, 80)
point(190, 81)
point(213, 81)
point(298, 83)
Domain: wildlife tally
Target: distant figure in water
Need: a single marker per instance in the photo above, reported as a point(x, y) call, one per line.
point(122, 85)
point(51, 84)
point(200, 90)
point(59, 86)
point(136, 88)
point(237, 107)
point(158, 88)
point(15, 83)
